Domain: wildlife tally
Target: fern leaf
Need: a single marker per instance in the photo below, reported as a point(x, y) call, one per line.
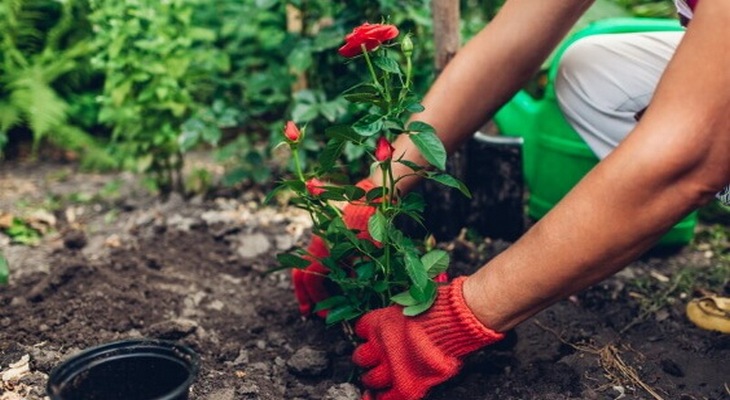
point(43, 109)
point(9, 117)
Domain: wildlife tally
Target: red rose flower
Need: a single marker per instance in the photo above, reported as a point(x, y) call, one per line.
point(369, 35)
point(292, 133)
point(383, 149)
point(314, 187)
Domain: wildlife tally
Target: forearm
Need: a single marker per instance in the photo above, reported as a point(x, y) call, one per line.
point(490, 68)
point(670, 164)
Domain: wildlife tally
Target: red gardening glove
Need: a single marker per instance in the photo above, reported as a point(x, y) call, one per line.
point(310, 282)
point(407, 356)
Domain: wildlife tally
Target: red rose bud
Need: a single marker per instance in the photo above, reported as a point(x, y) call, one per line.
point(314, 187)
point(369, 35)
point(292, 133)
point(383, 149)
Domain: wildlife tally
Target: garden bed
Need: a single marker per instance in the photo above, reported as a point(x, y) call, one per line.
point(119, 263)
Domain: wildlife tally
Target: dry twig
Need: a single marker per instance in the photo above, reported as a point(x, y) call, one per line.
point(614, 366)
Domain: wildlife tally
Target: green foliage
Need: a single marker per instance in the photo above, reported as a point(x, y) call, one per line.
point(22, 232)
point(154, 59)
point(4, 270)
point(44, 54)
point(649, 8)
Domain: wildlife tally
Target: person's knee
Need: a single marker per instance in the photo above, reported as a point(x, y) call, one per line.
point(577, 65)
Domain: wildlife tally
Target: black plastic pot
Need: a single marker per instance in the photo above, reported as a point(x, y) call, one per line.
point(141, 369)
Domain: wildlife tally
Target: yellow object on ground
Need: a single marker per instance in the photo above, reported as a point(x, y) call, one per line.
point(711, 313)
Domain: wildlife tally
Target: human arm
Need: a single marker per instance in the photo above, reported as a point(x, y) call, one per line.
point(673, 162)
point(487, 71)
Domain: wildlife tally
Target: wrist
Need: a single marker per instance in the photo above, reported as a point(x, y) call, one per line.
point(454, 327)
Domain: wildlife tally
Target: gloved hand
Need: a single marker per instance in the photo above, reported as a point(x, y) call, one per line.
point(407, 356)
point(309, 283)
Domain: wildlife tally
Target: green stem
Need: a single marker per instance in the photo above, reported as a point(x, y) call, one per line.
point(409, 72)
point(372, 70)
point(297, 164)
point(385, 201)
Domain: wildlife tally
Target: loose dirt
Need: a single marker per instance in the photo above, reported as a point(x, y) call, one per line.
point(119, 263)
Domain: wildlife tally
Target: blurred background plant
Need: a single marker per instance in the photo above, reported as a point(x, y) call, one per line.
point(46, 83)
point(137, 84)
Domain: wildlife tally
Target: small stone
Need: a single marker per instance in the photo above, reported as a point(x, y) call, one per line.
point(342, 391)
point(253, 245)
point(216, 305)
point(222, 394)
point(249, 388)
point(174, 329)
point(671, 367)
point(308, 362)
point(242, 358)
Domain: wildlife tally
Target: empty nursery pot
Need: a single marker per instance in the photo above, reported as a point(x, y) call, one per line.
point(140, 369)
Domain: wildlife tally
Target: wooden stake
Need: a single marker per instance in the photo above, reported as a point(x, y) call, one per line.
point(295, 24)
point(447, 38)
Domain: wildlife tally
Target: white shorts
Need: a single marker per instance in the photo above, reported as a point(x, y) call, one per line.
point(603, 81)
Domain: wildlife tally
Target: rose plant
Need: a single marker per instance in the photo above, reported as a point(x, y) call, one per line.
point(380, 265)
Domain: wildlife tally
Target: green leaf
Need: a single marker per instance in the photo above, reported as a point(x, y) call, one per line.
point(353, 193)
point(369, 125)
point(412, 311)
point(377, 226)
point(430, 147)
point(450, 181)
point(375, 193)
point(365, 271)
point(404, 298)
point(270, 196)
point(425, 293)
point(410, 164)
point(362, 94)
point(343, 313)
point(330, 302)
point(343, 132)
point(435, 261)
point(387, 64)
point(9, 116)
point(4, 270)
point(424, 299)
point(331, 110)
point(415, 269)
point(304, 112)
point(340, 250)
point(331, 153)
point(335, 193)
point(300, 59)
point(420, 126)
point(413, 202)
point(289, 260)
point(415, 107)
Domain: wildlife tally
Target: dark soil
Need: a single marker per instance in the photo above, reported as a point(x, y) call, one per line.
point(128, 265)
